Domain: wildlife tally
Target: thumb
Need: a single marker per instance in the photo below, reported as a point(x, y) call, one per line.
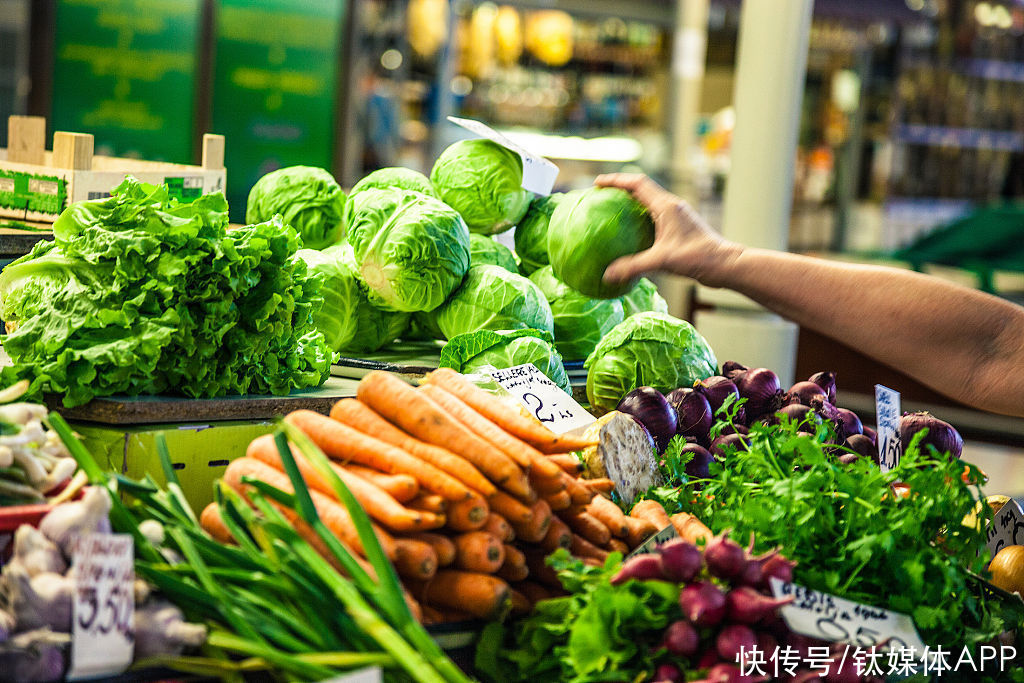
point(634, 265)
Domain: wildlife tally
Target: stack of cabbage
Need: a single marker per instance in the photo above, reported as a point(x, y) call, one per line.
point(139, 294)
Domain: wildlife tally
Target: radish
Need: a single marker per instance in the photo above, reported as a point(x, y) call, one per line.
point(777, 567)
point(702, 603)
point(681, 639)
point(727, 673)
point(734, 640)
point(680, 560)
point(753, 573)
point(766, 643)
point(840, 671)
point(745, 605)
point(647, 566)
point(725, 558)
point(668, 672)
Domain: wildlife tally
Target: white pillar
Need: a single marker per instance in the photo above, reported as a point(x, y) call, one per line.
point(770, 72)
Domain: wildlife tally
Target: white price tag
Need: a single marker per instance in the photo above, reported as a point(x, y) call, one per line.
point(538, 173)
point(887, 418)
point(557, 410)
point(663, 536)
point(1007, 527)
point(103, 626)
point(827, 617)
point(371, 674)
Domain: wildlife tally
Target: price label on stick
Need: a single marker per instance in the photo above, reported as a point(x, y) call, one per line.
point(887, 417)
point(825, 616)
point(103, 612)
point(538, 173)
point(557, 410)
point(1007, 527)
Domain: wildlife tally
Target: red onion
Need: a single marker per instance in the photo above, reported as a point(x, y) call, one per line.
point(732, 370)
point(698, 465)
point(693, 413)
point(721, 444)
point(734, 429)
point(716, 389)
point(851, 423)
point(870, 433)
point(650, 409)
point(803, 391)
point(940, 434)
point(827, 381)
point(861, 445)
point(798, 412)
point(762, 390)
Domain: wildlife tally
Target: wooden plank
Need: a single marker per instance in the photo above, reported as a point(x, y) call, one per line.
point(213, 152)
point(72, 150)
point(26, 139)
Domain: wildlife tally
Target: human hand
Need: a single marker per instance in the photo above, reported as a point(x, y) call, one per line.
point(683, 241)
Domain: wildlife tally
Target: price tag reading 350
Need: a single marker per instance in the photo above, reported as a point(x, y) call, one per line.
point(557, 410)
point(887, 415)
point(103, 627)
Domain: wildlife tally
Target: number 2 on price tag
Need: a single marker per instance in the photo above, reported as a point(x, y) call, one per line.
point(543, 398)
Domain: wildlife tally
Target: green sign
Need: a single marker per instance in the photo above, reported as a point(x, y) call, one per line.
point(124, 70)
point(275, 82)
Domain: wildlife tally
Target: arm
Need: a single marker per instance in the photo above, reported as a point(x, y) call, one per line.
point(963, 343)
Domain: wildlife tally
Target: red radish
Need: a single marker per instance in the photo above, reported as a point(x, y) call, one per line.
point(725, 558)
point(777, 567)
point(647, 566)
point(745, 605)
point(842, 670)
point(735, 640)
point(727, 673)
point(668, 672)
point(681, 639)
point(753, 573)
point(702, 603)
point(707, 659)
point(827, 381)
point(800, 643)
point(767, 644)
point(680, 560)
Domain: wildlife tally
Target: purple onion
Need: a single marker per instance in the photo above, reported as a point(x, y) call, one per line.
point(827, 381)
point(762, 390)
point(716, 390)
point(737, 441)
point(870, 433)
point(851, 423)
point(940, 434)
point(693, 413)
point(734, 429)
point(862, 446)
point(697, 468)
point(650, 409)
point(804, 391)
point(733, 370)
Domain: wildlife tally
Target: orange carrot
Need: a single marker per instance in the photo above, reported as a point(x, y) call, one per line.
point(421, 417)
point(478, 551)
point(581, 547)
point(610, 515)
point(546, 486)
point(653, 512)
point(534, 530)
point(569, 463)
point(514, 568)
point(455, 616)
point(444, 547)
point(581, 495)
point(377, 503)
point(469, 514)
point(431, 616)
point(601, 485)
point(496, 525)
point(362, 417)
point(481, 595)
point(589, 527)
point(430, 502)
point(401, 487)
point(520, 603)
point(344, 443)
point(619, 546)
point(539, 569)
point(533, 591)
point(508, 418)
point(639, 531)
point(511, 509)
point(211, 522)
point(415, 559)
point(690, 528)
point(559, 535)
point(559, 501)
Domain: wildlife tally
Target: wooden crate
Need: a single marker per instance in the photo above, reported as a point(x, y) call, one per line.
point(36, 184)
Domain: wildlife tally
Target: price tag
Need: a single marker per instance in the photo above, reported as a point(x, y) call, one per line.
point(371, 674)
point(887, 417)
point(1007, 527)
point(103, 626)
point(662, 537)
point(557, 410)
point(827, 617)
point(538, 173)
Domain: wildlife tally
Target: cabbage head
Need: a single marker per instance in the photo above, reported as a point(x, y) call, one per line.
point(491, 298)
point(308, 199)
point(348, 320)
point(591, 228)
point(580, 322)
point(394, 177)
point(532, 234)
point(412, 249)
point(483, 182)
point(647, 349)
point(483, 250)
point(472, 351)
point(643, 297)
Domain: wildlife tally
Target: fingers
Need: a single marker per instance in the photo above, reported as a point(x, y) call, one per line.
point(646, 191)
point(634, 265)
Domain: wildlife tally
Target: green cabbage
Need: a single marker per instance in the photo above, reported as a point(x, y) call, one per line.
point(348, 320)
point(580, 322)
point(473, 351)
point(483, 250)
point(643, 297)
point(532, 234)
point(394, 177)
point(491, 298)
point(591, 228)
point(482, 181)
point(308, 199)
point(646, 349)
point(412, 249)
point(141, 294)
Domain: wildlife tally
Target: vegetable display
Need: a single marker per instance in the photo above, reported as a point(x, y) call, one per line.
point(306, 197)
point(580, 322)
point(35, 466)
point(531, 234)
point(472, 351)
point(141, 294)
point(485, 251)
point(491, 298)
point(389, 178)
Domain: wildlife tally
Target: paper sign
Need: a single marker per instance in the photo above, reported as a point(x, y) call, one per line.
point(370, 674)
point(827, 617)
point(103, 626)
point(660, 538)
point(1007, 528)
point(538, 173)
point(557, 410)
point(887, 418)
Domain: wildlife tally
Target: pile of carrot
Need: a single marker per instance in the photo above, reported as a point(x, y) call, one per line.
point(468, 495)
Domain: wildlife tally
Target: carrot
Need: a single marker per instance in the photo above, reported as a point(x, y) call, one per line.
point(401, 487)
point(415, 559)
point(581, 547)
point(478, 551)
point(559, 501)
point(548, 485)
point(581, 495)
point(639, 531)
point(430, 502)
point(481, 595)
point(479, 425)
point(535, 530)
point(610, 515)
point(421, 417)
point(360, 416)
point(444, 547)
point(508, 418)
point(511, 509)
point(454, 616)
point(569, 463)
point(514, 568)
point(690, 528)
point(333, 514)
point(533, 591)
point(496, 525)
point(589, 527)
point(619, 546)
point(520, 603)
point(212, 524)
point(377, 503)
point(469, 514)
point(601, 485)
point(346, 444)
point(653, 512)
point(431, 616)
point(559, 535)
point(539, 569)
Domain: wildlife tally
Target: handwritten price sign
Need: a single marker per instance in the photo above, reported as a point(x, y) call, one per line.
point(1007, 528)
point(103, 630)
point(543, 398)
point(887, 413)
